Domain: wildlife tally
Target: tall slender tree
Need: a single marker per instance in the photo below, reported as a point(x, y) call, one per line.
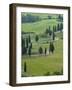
point(26, 42)
point(51, 47)
point(53, 35)
point(54, 28)
point(25, 67)
point(29, 39)
point(36, 38)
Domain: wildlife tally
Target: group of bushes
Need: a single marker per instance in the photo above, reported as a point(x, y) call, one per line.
point(54, 73)
point(51, 49)
point(50, 30)
point(26, 45)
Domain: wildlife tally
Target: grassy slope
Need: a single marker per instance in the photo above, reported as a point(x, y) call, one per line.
point(42, 64)
point(39, 27)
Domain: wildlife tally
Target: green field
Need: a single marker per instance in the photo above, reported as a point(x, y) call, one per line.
point(41, 65)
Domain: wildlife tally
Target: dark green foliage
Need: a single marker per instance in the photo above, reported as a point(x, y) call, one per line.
point(49, 17)
point(60, 27)
point(45, 51)
point(36, 38)
point(40, 50)
point(48, 31)
point(47, 74)
point(57, 73)
point(54, 28)
point(51, 47)
point(29, 18)
point(26, 42)
point(31, 45)
point(23, 42)
point(29, 51)
point(24, 49)
point(29, 39)
point(60, 18)
point(54, 73)
point(25, 67)
point(53, 36)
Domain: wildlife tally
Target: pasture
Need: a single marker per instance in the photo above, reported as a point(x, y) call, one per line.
point(41, 64)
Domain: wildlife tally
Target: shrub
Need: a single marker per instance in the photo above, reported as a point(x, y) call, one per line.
point(24, 75)
point(36, 38)
point(58, 72)
point(51, 47)
point(47, 74)
point(24, 50)
point(40, 50)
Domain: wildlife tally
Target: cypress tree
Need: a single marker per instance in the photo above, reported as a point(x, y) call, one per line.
point(29, 39)
point(25, 67)
point(29, 51)
point(53, 36)
point(51, 47)
point(26, 42)
point(36, 38)
point(40, 50)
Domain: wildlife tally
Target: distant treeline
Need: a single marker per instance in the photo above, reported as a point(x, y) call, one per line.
point(27, 33)
point(28, 18)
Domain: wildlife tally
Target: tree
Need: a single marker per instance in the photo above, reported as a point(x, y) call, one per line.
point(24, 49)
point(40, 50)
point(49, 16)
point(58, 27)
point(61, 26)
point(29, 38)
point(29, 51)
point(25, 67)
point(31, 45)
point(54, 28)
point(50, 32)
point(45, 51)
point(26, 42)
point(51, 47)
point(53, 35)
point(23, 42)
point(36, 38)
point(60, 17)
point(29, 18)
